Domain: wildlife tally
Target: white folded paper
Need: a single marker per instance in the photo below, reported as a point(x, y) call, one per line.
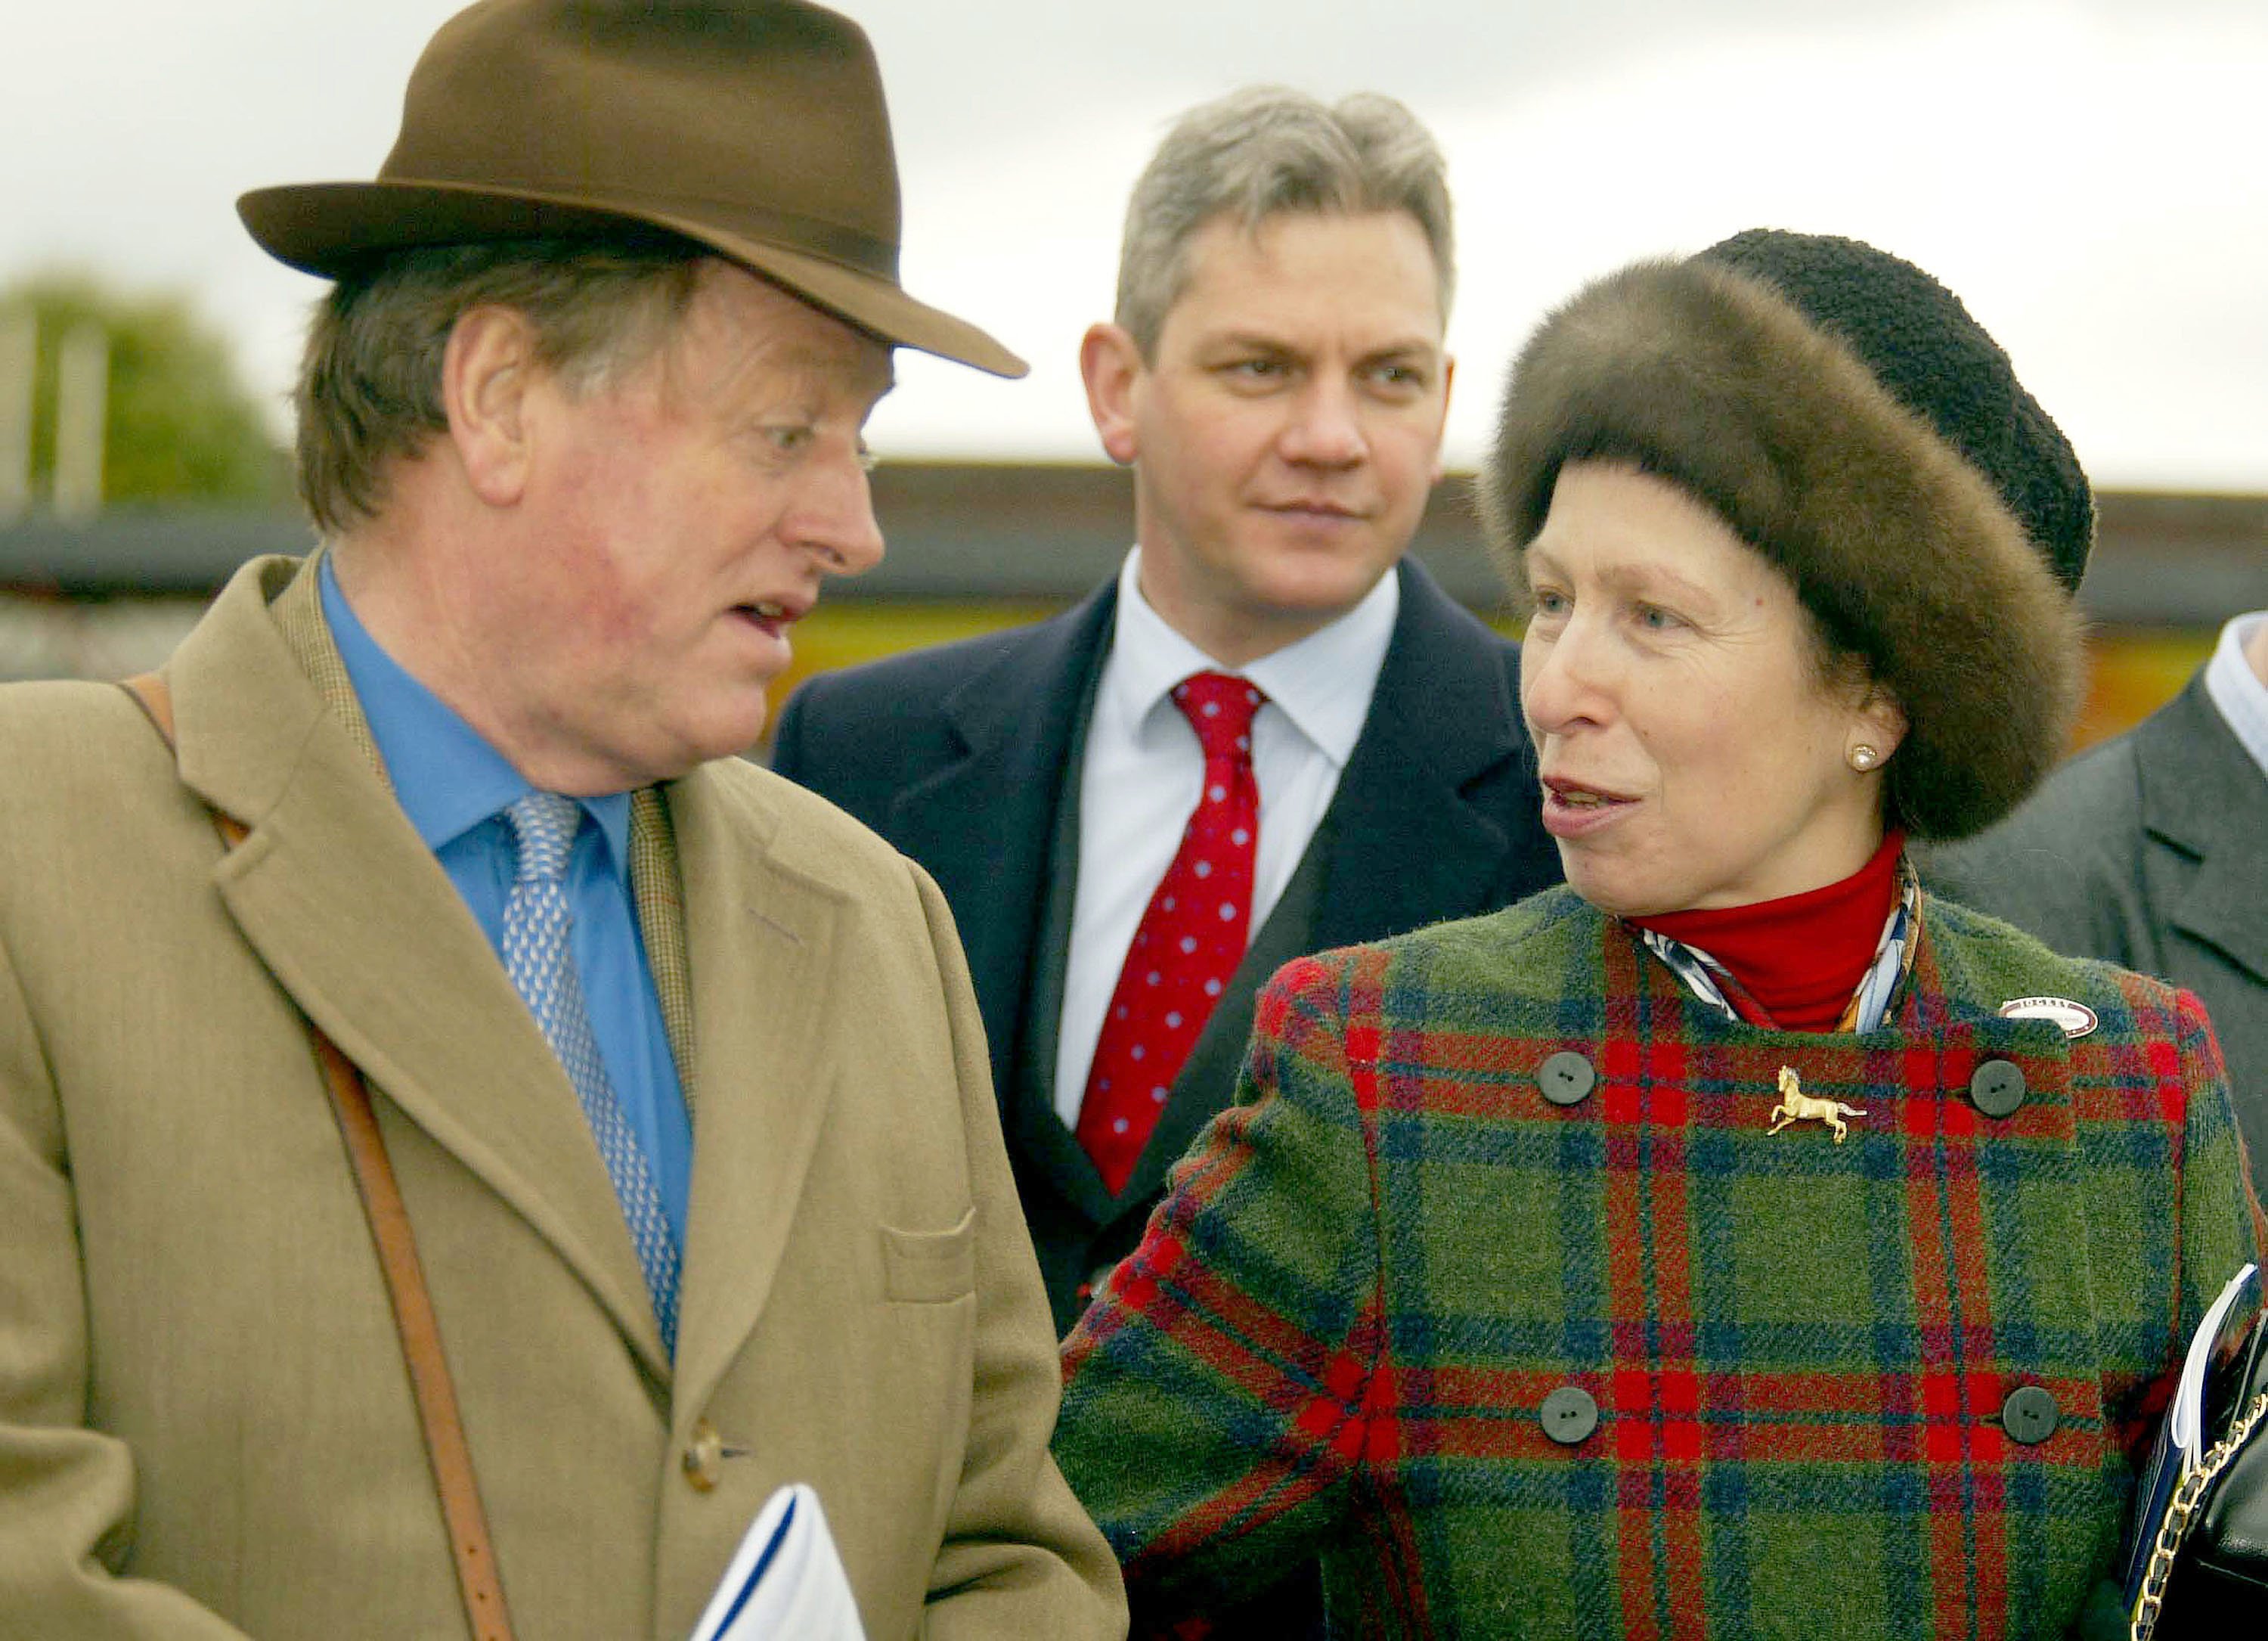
point(2184, 1435)
point(786, 1581)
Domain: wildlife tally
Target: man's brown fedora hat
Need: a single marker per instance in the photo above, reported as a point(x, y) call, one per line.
point(754, 127)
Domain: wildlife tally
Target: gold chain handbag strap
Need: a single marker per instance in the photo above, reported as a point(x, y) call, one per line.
point(2181, 1515)
point(478, 1584)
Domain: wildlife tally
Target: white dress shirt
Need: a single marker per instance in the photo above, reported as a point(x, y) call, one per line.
point(2237, 689)
point(1144, 766)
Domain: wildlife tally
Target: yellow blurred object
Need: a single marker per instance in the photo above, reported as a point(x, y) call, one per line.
point(844, 634)
point(2132, 672)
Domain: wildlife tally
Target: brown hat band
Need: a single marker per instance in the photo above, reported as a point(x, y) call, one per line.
point(487, 207)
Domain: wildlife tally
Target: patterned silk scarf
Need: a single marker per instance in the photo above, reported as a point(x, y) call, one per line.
point(1713, 984)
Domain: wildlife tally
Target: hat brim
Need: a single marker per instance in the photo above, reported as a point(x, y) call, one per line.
point(326, 228)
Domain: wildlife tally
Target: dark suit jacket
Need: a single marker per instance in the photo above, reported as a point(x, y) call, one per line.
point(959, 756)
point(2150, 850)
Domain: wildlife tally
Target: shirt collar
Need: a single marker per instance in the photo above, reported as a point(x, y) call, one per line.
point(2237, 689)
point(1323, 683)
point(445, 777)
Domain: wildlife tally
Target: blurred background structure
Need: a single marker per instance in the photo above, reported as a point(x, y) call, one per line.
point(976, 546)
point(2088, 173)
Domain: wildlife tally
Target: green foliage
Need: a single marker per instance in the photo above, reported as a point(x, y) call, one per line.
point(181, 425)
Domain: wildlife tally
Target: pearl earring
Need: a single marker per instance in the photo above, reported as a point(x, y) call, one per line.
point(1863, 757)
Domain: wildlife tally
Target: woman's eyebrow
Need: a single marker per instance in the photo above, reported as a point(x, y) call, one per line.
point(1626, 578)
point(1655, 579)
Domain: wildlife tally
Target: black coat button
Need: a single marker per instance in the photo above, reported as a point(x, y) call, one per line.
point(1565, 1078)
point(1570, 1416)
point(1997, 1087)
point(2028, 1415)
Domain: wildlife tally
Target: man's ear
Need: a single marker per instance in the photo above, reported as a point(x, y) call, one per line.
point(487, 372)
point(1449, 380)
point(1111, 364)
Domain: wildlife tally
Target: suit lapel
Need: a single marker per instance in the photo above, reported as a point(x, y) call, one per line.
point(1410, 845)
point(760, 939)
point(1051, 1149)
point(2203, 794)
point(1042, 1144)
point(982, 822)
point(1403, 844)
point(358, 923)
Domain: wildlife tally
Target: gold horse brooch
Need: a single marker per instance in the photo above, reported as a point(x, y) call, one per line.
point(1795, 1106)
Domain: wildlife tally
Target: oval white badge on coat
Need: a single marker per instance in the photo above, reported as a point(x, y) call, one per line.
point(2076, 1018)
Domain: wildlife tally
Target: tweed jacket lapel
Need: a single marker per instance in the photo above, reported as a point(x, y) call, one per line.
point(982, 823)
point(2203, 794)
point(362, 927)
point(1410, 847)
point(298, 613)
point(759, 940)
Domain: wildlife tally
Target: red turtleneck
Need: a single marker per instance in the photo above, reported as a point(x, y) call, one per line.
point(1802, 956)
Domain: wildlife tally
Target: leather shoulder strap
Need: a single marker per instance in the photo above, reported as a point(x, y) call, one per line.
point(154, 696)
point(414, 1319)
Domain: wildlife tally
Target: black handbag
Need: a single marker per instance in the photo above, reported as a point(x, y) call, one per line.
point(2208, 1568)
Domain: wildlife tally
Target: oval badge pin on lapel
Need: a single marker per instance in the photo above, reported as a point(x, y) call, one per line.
point(2076, 1018)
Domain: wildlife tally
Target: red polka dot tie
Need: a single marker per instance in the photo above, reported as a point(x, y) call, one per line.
point(1191, 937)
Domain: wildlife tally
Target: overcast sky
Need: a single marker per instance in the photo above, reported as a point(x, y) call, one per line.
point(2091, 176)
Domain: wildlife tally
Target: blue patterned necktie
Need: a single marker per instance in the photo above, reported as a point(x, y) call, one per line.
point(537, 957)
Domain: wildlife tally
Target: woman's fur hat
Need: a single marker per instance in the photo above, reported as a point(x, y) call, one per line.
point(1844, 414)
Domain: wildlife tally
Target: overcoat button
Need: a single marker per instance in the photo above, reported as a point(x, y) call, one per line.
point(1565, 1078)
point(2028, 1415)
point(1997, 1087)
point(1093, 1285)
point(703, 1455)
point(1570, 1416)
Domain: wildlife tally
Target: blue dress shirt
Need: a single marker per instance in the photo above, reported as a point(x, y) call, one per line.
point(455, 787)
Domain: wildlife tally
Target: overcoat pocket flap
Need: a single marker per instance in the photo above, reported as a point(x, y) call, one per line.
point(930, 1267)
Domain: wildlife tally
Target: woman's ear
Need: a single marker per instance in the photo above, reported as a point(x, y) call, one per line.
point(1879, 722)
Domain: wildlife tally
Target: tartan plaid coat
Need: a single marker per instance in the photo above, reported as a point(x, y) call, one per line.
point(1341, 1329)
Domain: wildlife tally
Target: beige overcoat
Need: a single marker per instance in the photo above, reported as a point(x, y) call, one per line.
point(205, 1426)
